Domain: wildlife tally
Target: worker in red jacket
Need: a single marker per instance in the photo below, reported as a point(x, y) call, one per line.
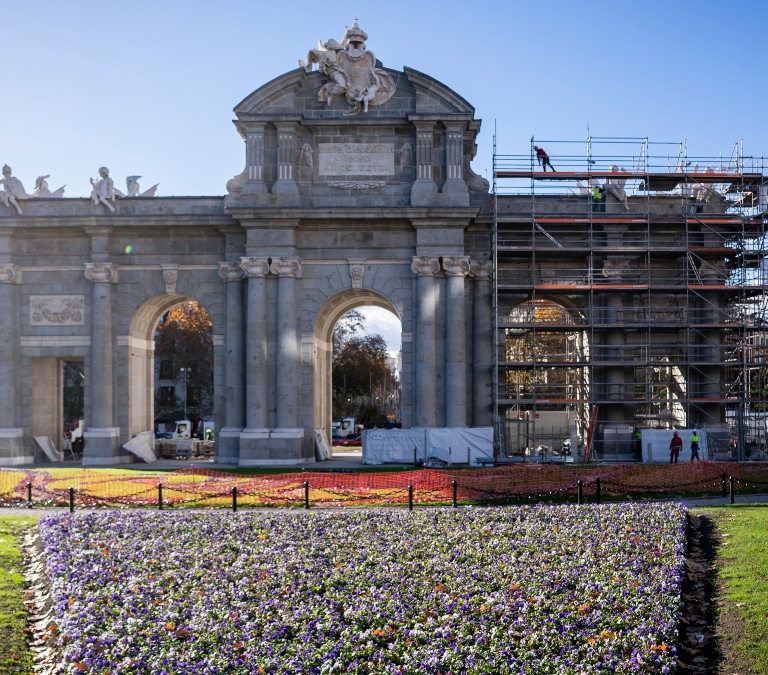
point(675, 446)
point(543, 158)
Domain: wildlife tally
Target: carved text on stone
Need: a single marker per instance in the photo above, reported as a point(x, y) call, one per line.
point(357, 159)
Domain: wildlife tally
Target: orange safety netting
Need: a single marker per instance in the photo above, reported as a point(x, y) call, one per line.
point(525, 481)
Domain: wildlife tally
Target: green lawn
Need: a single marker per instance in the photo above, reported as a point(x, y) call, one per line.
point(15, 657)
point(742, 561)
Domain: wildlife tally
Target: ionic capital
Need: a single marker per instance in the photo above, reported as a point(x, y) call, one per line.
point(425, 266)
point(286, 267)
point(456, 265)
point(482, 270)
point(255, 267)
point(230, 271)
point(101, 272)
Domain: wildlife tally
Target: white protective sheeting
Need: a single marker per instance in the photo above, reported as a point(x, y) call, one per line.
point(443, 445)
point(656, 444)
point(47, 446)
point(142, 445)
point(394, 446)
point(323, 451)
point(464, 445)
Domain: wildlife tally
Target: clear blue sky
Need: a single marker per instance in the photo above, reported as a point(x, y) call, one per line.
point(147, 87)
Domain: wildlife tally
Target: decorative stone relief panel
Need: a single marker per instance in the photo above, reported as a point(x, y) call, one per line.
point(56, 310)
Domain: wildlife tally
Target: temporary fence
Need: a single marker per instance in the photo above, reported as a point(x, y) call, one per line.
point(198, 487)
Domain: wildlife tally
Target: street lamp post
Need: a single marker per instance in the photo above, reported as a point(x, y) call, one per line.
point(184, 375)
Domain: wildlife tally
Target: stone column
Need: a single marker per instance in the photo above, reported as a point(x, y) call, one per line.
point(425, 361)
point(455, 190)
point(256, 269)
point(288, 357)
point(11, 449)
point(285, 186)
point(101, 436)
point(456, 268)
point(228, 440)
point(424, 190)
point(483, 340)
point(254, 160)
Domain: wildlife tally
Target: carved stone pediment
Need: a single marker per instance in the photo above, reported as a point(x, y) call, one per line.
point(352, 72)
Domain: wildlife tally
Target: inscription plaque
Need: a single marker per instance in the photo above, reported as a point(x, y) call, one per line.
point(356, 159)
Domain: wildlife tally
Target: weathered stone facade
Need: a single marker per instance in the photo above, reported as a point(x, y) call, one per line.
point(337, 208)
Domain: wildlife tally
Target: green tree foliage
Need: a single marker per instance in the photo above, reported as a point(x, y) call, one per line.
point(184, 339)
point(359, 368)
point(361, 365)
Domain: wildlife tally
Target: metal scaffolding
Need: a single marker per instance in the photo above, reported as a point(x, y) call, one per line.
point(630, 293)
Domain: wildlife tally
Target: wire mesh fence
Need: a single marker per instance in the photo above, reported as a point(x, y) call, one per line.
point(197, 487)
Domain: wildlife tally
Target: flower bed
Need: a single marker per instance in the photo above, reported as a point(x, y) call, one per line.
point(556, 589)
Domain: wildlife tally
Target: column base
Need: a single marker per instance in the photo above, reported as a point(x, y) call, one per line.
point(227, 446)
point(102, 448)
point(273, 447)
point(12, 451)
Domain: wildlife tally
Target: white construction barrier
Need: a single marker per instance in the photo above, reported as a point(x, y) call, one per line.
point(441, 446)
point(656, 444)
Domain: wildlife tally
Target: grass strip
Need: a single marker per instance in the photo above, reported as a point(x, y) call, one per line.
point(15, 656)
point(743, 563)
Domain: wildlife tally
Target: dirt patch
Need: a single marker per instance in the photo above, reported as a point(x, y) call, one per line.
point(710, 627)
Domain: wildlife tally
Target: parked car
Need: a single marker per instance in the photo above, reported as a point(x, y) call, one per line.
point(348, 441)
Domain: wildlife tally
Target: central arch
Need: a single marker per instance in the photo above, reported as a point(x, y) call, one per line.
point(325, 321)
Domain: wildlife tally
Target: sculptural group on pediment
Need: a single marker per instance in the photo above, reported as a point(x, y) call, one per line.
point(103, 189)
point(352, 72)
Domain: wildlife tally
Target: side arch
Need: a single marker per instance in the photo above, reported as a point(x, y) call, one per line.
point(141, 360)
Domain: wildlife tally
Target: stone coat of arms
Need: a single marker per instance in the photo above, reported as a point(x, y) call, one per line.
point(352, 72)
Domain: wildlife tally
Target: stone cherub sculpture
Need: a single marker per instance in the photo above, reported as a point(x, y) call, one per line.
point(13, 191)
point(132, 184)
point(615, 186)
point(351, 71)
point(104, 189)
point(42, 191)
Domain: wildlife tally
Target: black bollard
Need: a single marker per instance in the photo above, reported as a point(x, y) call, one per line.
point(234, 498)
point(415, 451)
point(580, 492)
point(455, 486)
point(306, 495)
point(410, 497)
point(29, 495)
point(71, 500)
point(731, 482)
point(597, 490)
point(159, 496)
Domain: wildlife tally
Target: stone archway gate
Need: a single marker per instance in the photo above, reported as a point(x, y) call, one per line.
point(357, 190)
